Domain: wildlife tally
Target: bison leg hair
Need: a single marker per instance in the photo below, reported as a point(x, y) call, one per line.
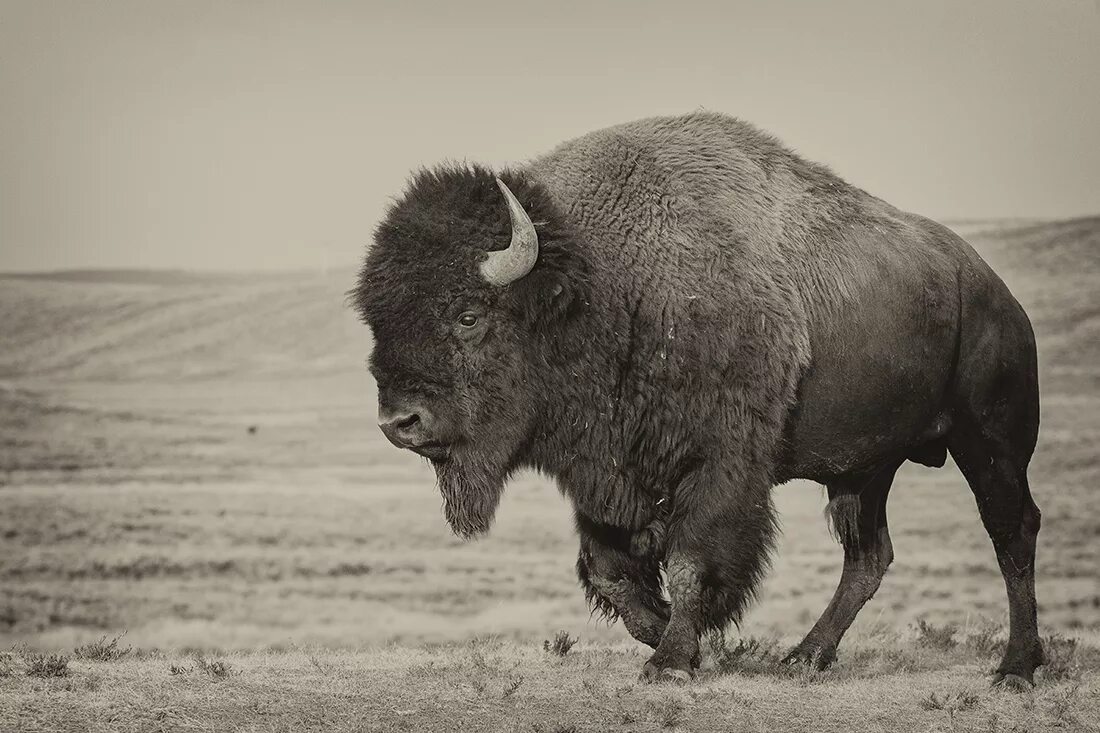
point(619, 585)
point(719, 537)
point(677, 655)
point(857, 517)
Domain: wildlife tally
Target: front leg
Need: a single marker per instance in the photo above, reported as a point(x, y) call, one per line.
point(719, 539)
point(677, 655)
point(620, 584)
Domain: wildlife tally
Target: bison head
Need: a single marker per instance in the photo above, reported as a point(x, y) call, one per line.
point(464, 290)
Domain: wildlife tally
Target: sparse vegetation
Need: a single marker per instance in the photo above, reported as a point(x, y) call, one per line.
point(1062, 660)
point(950, 703)
point(749, 655)
point(515, 688)
point(102, 650)
point(1063, 703)
point(962, 700)
point(512, 687)
point(986, 640)
point(45, 666)
point(324, 669)
point(667, 711)
point(560, 645)
point(218, 669)
point(936, 637)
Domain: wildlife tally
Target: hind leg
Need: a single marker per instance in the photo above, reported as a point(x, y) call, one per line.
point(996, 468)
point(857, 511)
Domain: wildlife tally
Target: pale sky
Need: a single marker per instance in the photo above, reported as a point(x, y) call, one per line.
point(243, 135)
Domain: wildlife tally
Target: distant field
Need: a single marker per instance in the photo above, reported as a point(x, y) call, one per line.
point(193, 460)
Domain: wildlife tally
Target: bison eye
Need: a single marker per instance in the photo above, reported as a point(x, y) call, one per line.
point(468, 319)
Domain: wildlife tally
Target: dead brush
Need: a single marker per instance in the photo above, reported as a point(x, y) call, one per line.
point(512, 687)
point(1062, 658)
point(962, 700)
point(44, 666)
point(218, 669)
point(751, 655)
point(323, 668)
point(427, 669)
point(950, 703)
point(102, 650)
point(985, 640)
point(667, 712)
point(561, 644)
point(1063, 702)
point(931, 636)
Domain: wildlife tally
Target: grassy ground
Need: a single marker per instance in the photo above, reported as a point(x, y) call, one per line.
point(921, 681)
point(194, 462)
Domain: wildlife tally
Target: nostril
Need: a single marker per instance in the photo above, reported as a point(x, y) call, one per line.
point(406, 422)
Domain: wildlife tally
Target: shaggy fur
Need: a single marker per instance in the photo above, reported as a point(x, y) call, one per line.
point(842, 514)
point(709, 315)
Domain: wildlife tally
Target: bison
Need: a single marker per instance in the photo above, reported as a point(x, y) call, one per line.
point(674, 315)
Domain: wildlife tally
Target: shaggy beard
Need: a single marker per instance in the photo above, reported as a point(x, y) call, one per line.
point(471, 492)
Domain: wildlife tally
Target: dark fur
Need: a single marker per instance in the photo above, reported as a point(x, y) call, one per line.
point(709, 315)
point(843, 517)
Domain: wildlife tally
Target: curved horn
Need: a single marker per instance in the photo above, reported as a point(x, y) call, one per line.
point(504, 266)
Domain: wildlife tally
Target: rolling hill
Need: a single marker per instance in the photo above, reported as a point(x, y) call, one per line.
point(122, 325)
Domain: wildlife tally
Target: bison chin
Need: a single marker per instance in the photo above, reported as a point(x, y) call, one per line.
point(471, 490)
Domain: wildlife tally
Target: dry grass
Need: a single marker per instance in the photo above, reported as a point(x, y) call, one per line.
point(45, 666)
point(490, 685)
point(102, 650)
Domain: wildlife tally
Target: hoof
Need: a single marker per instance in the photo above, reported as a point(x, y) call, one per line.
point(652, 673)
point(1013, 682)
point(810, 656)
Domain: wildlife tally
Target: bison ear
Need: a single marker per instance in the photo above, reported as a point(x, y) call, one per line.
point(544, 295)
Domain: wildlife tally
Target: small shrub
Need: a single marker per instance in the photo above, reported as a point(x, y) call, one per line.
point(480, 663)
point(936, 637)
point(985, 640)
point(324, 669)
point(46, 665)
point(1062, 702)
point(218, 669)
point(966, 699)
point(178, 669)
point(428, 669)
point(512, 687)
point(102, 650)
point(750, 655)
point(667, 712)
point(561, 644)
point(933, 702)
point(1061, 658)
point(950, 703)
